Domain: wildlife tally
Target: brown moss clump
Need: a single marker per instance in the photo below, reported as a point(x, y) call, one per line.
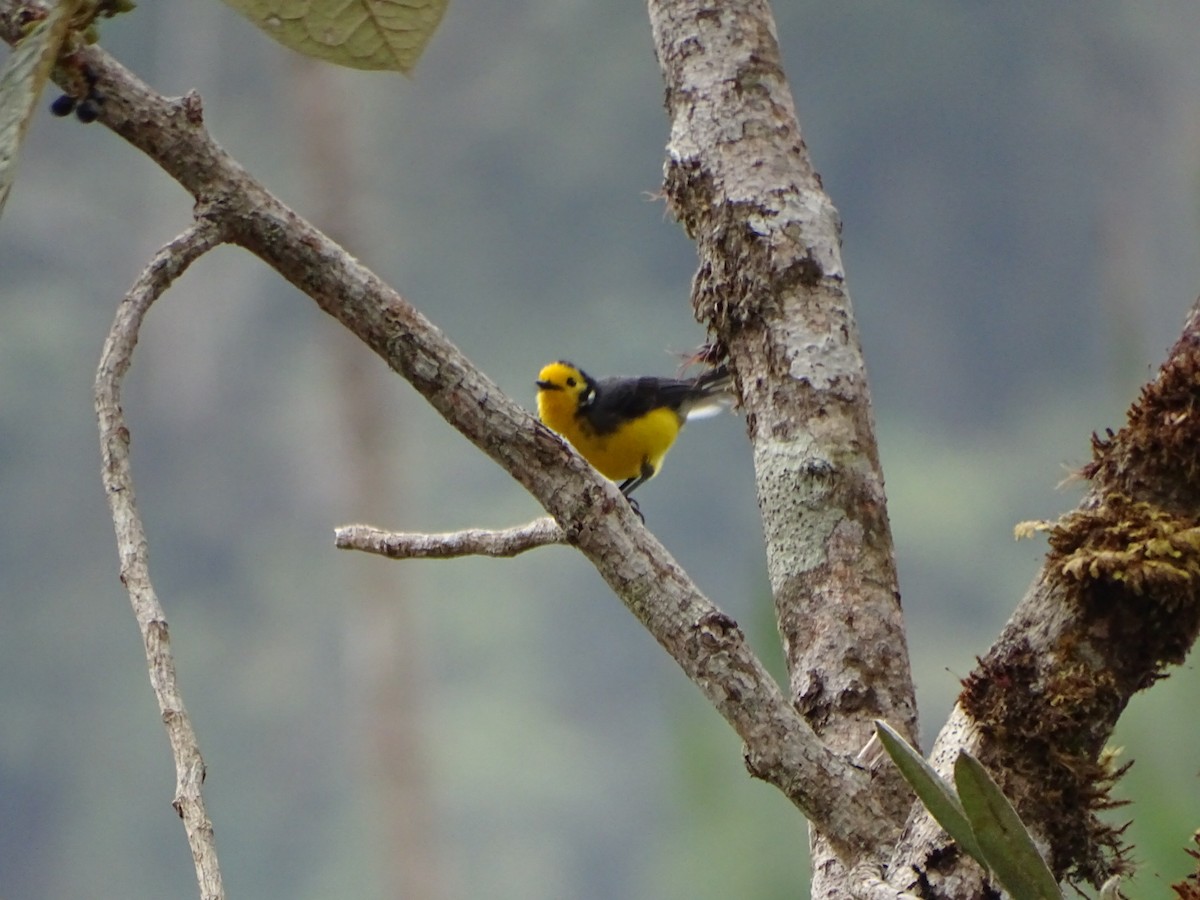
point(1039, 721)
point(1131, 570)
point(1135, 545)
point(1156, 456)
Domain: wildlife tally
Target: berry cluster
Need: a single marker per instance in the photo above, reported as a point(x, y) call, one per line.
point(87, 108)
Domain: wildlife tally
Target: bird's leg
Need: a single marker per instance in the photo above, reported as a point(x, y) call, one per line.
point(629, 485)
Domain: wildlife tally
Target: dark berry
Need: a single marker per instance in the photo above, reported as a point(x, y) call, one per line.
point(63, 105)
point(87, 111)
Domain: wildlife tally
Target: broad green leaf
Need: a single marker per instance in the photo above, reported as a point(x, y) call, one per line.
point(21, 82)
point(361, 34)
point(938, 797)
point(1006, 842)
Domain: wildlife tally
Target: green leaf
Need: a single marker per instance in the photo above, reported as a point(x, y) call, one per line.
point(939, 798)
point(361, 34)
point(1006, 842)
point(21, 81)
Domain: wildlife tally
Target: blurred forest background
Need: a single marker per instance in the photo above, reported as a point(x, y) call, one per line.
point(1018, 184)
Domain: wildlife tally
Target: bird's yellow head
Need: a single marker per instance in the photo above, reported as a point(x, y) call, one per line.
point(563, 390)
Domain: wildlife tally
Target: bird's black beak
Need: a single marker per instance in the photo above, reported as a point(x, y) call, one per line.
point(548, 386)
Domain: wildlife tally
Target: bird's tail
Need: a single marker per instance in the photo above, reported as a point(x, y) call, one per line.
point(717, 380)
point(714, 393)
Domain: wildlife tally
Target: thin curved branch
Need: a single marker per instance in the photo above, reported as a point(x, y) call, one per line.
point(168, 264)
point(781, 748)
point(471, 542)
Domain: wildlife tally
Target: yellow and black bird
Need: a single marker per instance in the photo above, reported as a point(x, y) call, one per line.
point(625, 426)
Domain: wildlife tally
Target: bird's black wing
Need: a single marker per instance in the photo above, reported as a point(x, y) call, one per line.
point(620, 399)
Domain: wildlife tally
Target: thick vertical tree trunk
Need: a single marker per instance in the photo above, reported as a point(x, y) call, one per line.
point(772, 290)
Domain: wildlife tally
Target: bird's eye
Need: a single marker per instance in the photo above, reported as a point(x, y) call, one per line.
point(570, 382)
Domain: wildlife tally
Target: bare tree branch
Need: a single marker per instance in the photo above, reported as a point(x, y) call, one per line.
point(471, 542)
point(168, 264)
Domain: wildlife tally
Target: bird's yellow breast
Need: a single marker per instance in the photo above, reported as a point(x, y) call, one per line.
point(622, 453)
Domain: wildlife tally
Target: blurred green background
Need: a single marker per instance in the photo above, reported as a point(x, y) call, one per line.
point(1019, 190)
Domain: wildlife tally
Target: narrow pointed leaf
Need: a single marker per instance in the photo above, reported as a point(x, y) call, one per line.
point(1006, 843)
point(939, 798)
point(361, 34)
point(21, 81)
